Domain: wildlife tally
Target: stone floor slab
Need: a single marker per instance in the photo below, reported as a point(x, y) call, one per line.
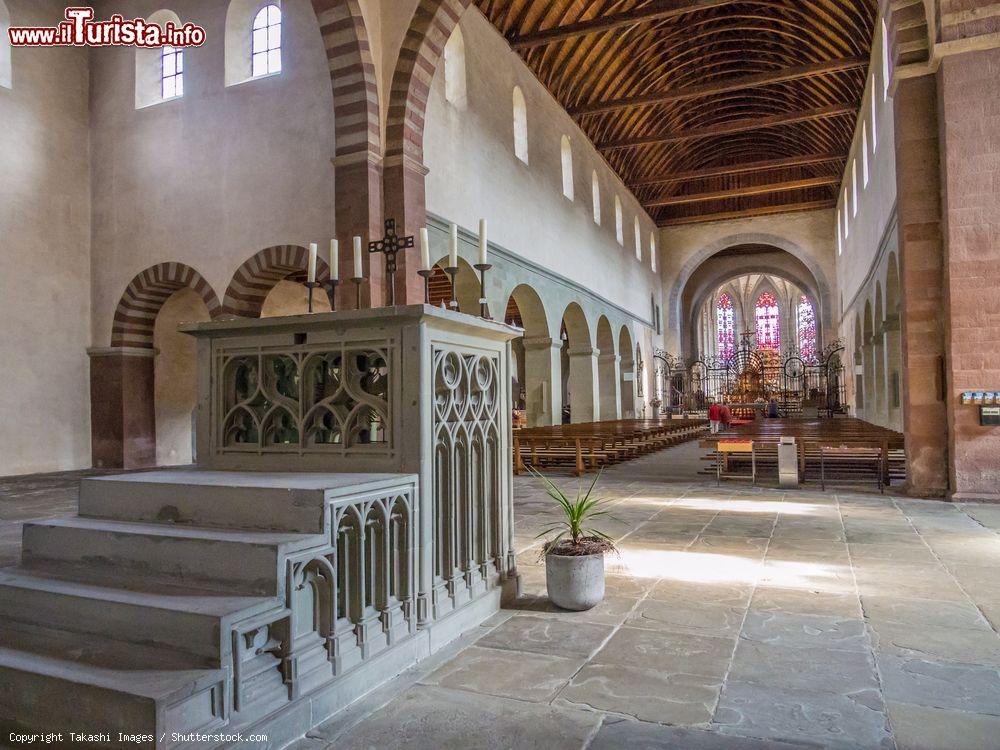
point(547, 635)
point(618, 734)
point(923, 728)
point(805, 631)
point(803, 668)
point(681, 653)
point(687, 617)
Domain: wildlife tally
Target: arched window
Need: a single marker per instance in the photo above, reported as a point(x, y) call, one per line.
point(854, 188)
point(595, 194)
point(725, 324)
point(886, 69)
point(6, 72)
point(652, 250)
point(455, 87)
point(840, 235)
point(638, 240)
point(265, 43)
point(619, 222)
point(159, 71)
point(874, 117)
point(865, 170)
point(520, 126)
point(768, 318)
point(171, 72)
point(807, 329)
point(566, 153)
point(847, 210)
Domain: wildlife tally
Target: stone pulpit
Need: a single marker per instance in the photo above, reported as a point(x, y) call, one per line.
point(349, 514)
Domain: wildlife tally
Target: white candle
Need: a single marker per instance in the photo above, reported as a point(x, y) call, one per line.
point(425, 250)
point(357, 258)
point(334, 260)
point(482, 242)
point(312, 262)
point(453, 254)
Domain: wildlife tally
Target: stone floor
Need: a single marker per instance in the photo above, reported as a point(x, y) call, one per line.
point(734, 619)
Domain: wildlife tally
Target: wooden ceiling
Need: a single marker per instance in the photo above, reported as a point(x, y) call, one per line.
point(707, 109)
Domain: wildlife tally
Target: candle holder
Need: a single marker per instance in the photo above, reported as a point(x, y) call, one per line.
point(311, 285)
point(426, 276)
point(331, 292)
point(357, 290)
point(484, 308)
point(452, 272)
point(389, 246)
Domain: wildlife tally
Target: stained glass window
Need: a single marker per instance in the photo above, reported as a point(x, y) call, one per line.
point(807, 329)
point(726, 325)
point(768, 318)
point(265, 47)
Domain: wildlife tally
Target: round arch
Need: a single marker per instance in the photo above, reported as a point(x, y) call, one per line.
point(627, 372)
point(145, 295)
point(608, 373)
point(259, 274)
point(578, 359)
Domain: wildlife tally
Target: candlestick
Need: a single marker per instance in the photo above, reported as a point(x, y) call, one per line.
point(452, 272)
point(426, 273)
point(357, 290)
point(482, 242)
point(453, 248)
point(331, 292)
point(425, 250)
point(311, 276)
point(334, 260)
point(484, 308)
point(310, 285)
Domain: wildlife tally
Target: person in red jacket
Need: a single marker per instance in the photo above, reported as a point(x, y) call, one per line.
point(725, 416)
point(714, 417)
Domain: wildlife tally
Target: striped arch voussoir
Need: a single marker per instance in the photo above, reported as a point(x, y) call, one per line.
point(136, 313)
point(423, 45)
point(255, 279)
point(352, 75)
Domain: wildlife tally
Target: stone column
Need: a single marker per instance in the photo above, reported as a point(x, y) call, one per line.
point(122, 413)
point(609, 378)
point(925, 419)
point(405, 201)
point(970, 159)
point(543, 381)
point(584, 404)
point(358, 212)
point(880, 414)
point(894, 359)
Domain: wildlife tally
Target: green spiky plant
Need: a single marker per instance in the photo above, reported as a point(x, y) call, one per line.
point(575, 534)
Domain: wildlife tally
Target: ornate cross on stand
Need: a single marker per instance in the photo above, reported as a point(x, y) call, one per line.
point(389, 245)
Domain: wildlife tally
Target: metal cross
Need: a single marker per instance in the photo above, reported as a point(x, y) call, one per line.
point(389, 245)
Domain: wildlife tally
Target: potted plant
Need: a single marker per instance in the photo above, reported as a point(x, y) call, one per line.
point(574, 557)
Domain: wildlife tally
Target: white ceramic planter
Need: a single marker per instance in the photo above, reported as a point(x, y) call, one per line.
point(575, 582)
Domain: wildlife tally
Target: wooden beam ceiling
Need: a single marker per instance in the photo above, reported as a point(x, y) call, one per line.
point(686, 94)
point(782, 208)
point(796, 73)
point(774, 187)
point(734, 126)
point(734, 169)
point(656, 11)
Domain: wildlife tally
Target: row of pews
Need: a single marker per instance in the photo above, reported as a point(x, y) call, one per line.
point(838, 450)
point(591, 446)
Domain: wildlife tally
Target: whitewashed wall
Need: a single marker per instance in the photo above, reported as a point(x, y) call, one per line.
point(44, 254)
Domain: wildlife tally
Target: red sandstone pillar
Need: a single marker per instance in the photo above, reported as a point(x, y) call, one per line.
point(970, 160)
point(358, 186)
point(122, 414)
point(925, 418)
point(405, 201)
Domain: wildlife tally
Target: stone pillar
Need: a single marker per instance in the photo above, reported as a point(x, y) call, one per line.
point(584, 404)
point(358, 212)
point(871, 392)
point(405, 201)
point(122, 413)
point(609, 378)
point(543, 381)
point(880, 415)
point(894, 359)
point(925, 419)
point(970, 160)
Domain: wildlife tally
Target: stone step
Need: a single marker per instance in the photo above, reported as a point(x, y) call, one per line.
point(142, 556)
point(253, 501)
point(195, 625)
point(46, 694)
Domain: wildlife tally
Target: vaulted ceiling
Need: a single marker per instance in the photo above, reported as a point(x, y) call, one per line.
point(707, 109)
